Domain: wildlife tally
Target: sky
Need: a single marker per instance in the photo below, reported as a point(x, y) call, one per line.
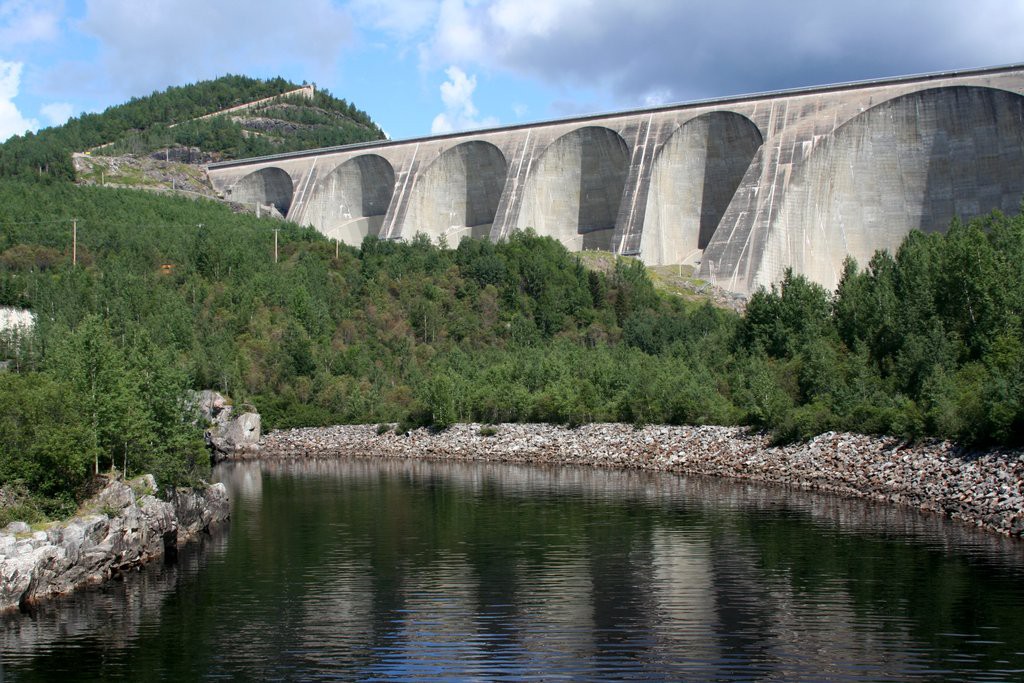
point(421, 67)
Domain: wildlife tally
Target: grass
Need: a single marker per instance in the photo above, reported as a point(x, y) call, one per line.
point(29, 512)
point(676, 280)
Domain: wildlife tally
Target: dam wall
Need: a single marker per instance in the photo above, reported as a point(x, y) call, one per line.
point(740, 188)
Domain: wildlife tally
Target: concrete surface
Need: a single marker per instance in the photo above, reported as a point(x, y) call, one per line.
point(741, 187)
point(457, 194)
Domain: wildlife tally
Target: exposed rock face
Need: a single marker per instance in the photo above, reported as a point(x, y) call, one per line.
point(237, 434)
point(183, 155)
point(126, 529)
point(153, 173)
point(984, 489)
point(211, 406)
point(227, 434)
point(197, 509)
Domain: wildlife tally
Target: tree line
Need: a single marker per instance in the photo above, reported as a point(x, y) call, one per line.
point(171, 294)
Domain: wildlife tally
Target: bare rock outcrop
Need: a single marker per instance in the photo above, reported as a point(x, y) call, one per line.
point(123, 526)
point(228, 434)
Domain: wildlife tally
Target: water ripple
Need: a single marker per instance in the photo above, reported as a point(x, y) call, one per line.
point(366, 570)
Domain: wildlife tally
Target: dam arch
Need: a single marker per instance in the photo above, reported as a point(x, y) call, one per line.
point(694, 177)
point(267, 186)
point(912, 162)
point(457, 195)
point(351, 201)
point(573, 193)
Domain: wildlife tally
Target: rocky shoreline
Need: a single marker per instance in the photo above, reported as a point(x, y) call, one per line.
point(980, 488)
point(124, 526)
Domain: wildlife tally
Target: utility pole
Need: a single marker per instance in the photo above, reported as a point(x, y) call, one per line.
point(335, 249)
point(275, 245)
point(74, 241)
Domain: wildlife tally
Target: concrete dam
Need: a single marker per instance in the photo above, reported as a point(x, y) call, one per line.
point(741, 188)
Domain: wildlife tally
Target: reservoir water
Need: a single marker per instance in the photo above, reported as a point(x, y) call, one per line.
point(398, 570)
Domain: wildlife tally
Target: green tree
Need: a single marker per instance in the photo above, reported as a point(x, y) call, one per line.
point(104, 385)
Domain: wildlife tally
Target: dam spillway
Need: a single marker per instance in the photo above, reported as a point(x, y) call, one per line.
point(741, 188)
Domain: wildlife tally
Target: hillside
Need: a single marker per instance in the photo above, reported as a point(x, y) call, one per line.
point(199, 122)
point(167, 293)
point(170, 294)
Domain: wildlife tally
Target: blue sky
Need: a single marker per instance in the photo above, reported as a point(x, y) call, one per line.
point(425, 66)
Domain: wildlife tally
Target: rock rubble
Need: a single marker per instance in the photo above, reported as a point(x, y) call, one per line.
point(125, 526)
point(984, 489)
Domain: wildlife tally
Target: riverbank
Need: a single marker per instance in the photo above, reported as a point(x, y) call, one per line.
point(981, 488)
point(124, 526)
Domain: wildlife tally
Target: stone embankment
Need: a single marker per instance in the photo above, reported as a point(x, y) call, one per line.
point(985, 489)
point(125, 526)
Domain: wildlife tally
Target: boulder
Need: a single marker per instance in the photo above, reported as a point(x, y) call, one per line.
point(17, 528)
point(116, 495)
point(227, 434)
point(238, 435)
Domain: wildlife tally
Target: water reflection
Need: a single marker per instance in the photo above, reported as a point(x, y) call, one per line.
point(107, 618)
point(363, 569)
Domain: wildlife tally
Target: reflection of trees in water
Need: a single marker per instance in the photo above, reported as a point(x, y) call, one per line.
point(367, 567)
point(243, 479)
point(648, 563)
point(110, 617)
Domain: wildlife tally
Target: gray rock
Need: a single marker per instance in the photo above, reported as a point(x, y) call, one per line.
point(241, 433)
point(116, 495)
point(91, 548)
point(7, 542)
point(17, 528)
point(196, 510)
point(984, 489)
point(213, 407)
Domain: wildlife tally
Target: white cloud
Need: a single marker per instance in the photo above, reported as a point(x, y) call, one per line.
point(459, 34)
point(150, 45)
point(57, 113)
point(404, 18)
point(639, 51)
point(29, 21)
point(457, 92)
point(536, 18)
point(460, 112)
point(11, 120)
point(658, 97)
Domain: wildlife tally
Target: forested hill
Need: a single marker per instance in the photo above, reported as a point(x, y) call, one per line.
point(173, 117)
point(163, 294)
point(169, 294)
